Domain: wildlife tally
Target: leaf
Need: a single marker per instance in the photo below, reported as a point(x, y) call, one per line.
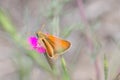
point(6, 23)
point(105, 67)
point(55, 26)
point(68, 30)
point(25, 66)
point(65, 75)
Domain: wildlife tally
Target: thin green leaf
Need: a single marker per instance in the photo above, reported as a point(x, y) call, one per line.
point(65, 75)
point(6, 23)
point(55, 26)
point(68, 30)
point(106, 67)
point(24, 68)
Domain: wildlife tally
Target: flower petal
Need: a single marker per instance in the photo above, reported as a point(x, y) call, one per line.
point(41, 49)
point(33, 41)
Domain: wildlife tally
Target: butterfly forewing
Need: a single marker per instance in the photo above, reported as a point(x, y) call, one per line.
point(48, 47)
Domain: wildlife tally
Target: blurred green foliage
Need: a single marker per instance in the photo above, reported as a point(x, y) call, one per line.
point(53, 14)
point(25, 69)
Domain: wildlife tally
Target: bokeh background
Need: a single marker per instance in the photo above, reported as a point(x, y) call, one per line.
point(92, 27)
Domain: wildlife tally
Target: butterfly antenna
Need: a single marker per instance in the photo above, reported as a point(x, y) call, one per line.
point(43, 25)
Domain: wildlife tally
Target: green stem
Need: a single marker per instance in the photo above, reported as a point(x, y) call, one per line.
point(105, 67)
point(65, 75)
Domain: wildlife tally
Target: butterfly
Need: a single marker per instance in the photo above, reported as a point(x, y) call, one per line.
point(54, 46)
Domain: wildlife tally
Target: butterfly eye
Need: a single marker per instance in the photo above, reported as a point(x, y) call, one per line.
point(37, 35)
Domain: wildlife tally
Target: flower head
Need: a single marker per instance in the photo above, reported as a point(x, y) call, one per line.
point(33, 41)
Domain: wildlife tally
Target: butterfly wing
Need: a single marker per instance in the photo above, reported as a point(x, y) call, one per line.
point(52, 44)
point(59, 45)
point(48, 46)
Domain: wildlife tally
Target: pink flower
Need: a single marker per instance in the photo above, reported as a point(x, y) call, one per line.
point(33, 41)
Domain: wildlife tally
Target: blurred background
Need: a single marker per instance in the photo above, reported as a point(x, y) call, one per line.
point(92, 27)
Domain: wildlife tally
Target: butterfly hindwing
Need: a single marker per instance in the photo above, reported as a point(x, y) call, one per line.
point(58, 44)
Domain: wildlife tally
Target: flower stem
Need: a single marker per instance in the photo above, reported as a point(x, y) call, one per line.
point(65, 71)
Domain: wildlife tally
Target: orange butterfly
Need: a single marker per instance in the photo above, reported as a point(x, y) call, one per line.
point(54, 46)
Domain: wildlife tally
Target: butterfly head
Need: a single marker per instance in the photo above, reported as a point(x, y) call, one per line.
point(39, 34)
